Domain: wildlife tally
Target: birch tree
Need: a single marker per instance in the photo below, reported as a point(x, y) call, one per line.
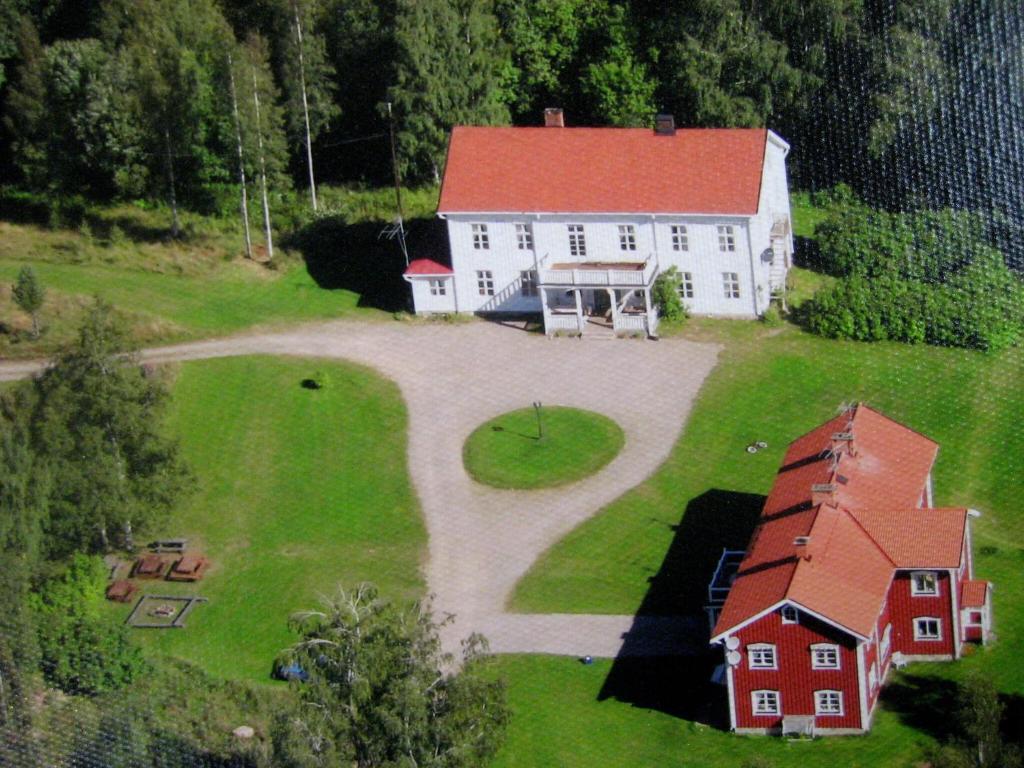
point(308, 81)
point(241, 157)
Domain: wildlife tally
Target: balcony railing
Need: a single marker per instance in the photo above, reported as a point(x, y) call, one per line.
point(554, 323)
point(596, 275)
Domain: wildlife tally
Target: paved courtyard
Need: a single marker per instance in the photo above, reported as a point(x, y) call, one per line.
point(481, 539)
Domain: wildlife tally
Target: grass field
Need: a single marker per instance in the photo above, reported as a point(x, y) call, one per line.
point(506, 452)
point(653, 549)
point(200, 285)
point(283, 504)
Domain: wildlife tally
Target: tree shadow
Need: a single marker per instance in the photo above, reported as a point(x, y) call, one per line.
point(361, 259)
point(680, 684)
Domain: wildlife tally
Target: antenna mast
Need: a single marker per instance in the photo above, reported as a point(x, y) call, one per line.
point(399, 227)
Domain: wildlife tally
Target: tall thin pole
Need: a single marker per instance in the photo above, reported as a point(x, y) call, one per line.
point(241, 159)
point(398, 186)
point(263, 166)
point(305, 104)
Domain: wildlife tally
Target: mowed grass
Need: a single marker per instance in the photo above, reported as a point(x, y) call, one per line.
point(562, 717)
point(297, 491)
point(509, 451)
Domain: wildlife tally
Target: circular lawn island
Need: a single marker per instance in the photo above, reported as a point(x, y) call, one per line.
point(514, 451)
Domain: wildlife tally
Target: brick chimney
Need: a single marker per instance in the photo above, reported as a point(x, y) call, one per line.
point(802, 547)
point(664, 125)
point(823, 493)
point(554, 117)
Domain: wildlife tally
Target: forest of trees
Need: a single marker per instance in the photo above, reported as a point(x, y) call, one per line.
point(900, 99)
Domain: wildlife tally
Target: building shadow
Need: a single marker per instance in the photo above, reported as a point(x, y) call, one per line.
point(671, 672)
point(362, 258)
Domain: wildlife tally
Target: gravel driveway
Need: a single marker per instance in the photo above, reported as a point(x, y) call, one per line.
point(453, 377)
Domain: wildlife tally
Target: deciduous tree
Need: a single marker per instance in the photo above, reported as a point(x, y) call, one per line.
point(29, 294)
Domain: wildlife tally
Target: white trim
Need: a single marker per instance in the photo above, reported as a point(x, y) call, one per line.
point(955, 623)
point(862, 693)
point(796, 614)
point(829, 693)
point(660, 214)
point(833, 647)
point(754, 698)
point(732, 697)
point(918, 637)
point(774, 607)
point(432, 275)
point(752, 648)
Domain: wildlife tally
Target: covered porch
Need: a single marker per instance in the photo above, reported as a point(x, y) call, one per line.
point(599, 298)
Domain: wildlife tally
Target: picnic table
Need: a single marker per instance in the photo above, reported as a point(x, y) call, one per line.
point(121, 591)
point(188, 568)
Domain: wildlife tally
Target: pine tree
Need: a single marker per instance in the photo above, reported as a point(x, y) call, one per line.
point(450, 63)
point(29, 295)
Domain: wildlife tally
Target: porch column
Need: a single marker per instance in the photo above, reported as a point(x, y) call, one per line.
point(544, 307)
point(650, 310)
point(615, 308)
point(579, 309)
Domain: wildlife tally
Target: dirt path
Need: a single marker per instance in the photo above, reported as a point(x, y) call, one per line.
point(482, 540)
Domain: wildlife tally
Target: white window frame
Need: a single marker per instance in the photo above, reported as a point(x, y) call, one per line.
point(686, 285)
point(680, 238)
point(485, 282)
point(524, 235)
point(726, 238)
point(577, 240)
point(873, 676)
point(438, 287)
point(765, 703)
point(762, 656)
point(790, 615)
point(919, 586)
point(886, 643)
point(481, 239)
point(731, 284)
point(924, 636)
point(627, 237)
point(820, 653)
point(528, 282)
point(828, 703)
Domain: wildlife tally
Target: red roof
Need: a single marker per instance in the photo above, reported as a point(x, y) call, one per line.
point(973, 593)
point(427, 267)
point(855, 538)
point(603, 170)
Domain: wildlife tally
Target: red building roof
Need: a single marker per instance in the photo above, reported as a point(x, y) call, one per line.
point(603, 170)
point(427, 267)
point(833, 550)
point(973, 593)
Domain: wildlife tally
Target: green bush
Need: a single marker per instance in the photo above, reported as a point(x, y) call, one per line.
point(666, 295)
point(772, 316)
point(81, 651)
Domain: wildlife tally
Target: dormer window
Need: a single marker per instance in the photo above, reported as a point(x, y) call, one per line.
point(924, 583)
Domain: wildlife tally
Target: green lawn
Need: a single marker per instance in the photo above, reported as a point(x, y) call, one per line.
point(507, 452)
point(284, 504)
point(562, 716)
point(651, 549)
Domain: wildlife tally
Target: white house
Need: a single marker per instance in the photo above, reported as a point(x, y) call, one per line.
point(577, 223)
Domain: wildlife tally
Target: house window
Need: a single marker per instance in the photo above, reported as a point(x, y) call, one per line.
point(731, 284)
point(886, 641)
point(481, 240)
point(924, 583)
point(789, 615)
point(438, 288)
point(765, 702)
point(726, 238)
point(824, 656)
point(828, 702)
point(927, 628)
point(680, 238)
point(627, 237)
point(485, 282)
point(873, 676)
point(577, 242)
point(686, 285)
point(524, 236)
point(529, 282)
point(761, 656)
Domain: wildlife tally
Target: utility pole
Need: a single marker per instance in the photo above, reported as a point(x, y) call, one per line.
point(263, 166)
point(400, 223)
point(305, 103)
point(241, 161)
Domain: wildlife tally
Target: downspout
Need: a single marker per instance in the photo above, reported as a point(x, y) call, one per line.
point(753, 276)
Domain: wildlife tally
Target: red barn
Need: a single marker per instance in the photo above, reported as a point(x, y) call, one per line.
point(850, 571)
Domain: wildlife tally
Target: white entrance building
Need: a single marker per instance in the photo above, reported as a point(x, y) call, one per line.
point(575, 224)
